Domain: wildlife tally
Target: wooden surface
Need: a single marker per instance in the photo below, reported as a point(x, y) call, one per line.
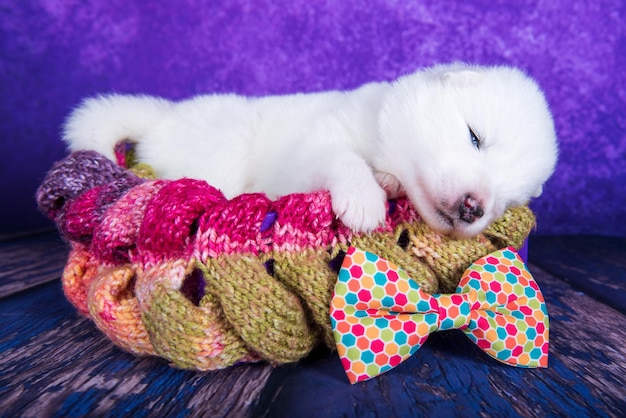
point(55, 363)
point(27, 262)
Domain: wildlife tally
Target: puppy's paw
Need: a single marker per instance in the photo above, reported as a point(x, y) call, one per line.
point(361, 209)
point(390, 184)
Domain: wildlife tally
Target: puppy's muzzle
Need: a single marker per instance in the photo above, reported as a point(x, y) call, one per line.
point(470, 209)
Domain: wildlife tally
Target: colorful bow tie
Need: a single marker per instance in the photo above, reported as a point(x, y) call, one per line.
point(380, 317)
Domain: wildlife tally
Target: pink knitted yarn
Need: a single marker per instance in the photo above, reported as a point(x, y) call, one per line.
point(169, 224)
point(115, 237)
point(234, 226)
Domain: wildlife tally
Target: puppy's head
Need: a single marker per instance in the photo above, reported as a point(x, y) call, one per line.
point(466, 143)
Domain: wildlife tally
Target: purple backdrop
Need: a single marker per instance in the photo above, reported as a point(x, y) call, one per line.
point(55, 52)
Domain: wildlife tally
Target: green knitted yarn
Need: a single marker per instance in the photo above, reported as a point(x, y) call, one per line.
point(309, 275)
point(144, 171)
point(448, 258)
point(191, 336)
point(390, 247)
point(512, 228)
point(267, 316)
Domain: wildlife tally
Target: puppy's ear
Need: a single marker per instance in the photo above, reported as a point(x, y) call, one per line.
point(462, 77)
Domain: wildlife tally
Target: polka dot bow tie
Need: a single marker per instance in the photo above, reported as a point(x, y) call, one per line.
point(380, 317)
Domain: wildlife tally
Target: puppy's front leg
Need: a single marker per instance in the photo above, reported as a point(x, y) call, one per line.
point(357, 198)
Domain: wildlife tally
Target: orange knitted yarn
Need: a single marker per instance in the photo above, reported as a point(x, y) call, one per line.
point(173, 269)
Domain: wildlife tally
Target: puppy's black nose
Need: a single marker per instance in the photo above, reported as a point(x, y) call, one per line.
point(470, 209)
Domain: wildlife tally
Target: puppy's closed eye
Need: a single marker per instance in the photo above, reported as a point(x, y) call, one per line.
point(476, 142)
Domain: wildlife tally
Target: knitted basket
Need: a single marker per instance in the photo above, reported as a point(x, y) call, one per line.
point(172, 268)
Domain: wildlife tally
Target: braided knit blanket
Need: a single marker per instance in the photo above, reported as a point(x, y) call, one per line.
point(172, 268)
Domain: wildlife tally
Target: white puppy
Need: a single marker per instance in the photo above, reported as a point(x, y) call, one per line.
point(465, 143)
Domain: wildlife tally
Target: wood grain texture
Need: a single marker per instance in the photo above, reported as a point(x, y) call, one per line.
point(55, 363)
point(595, 265)
point(27, 262)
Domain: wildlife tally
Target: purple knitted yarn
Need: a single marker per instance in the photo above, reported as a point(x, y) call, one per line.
point(73, 176)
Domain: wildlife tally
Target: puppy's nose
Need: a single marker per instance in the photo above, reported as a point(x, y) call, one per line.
point(470, 209)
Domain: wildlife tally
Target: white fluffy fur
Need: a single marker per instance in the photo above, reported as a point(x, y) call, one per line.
point(414, 130)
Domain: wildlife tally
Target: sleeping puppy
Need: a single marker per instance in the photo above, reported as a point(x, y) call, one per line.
point(464, 143)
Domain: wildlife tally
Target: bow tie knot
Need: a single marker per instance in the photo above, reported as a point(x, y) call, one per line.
point(380, 316)
point(454, 311)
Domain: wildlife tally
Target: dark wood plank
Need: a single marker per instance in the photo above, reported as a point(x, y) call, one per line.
point(57, 363)
point(594, 265)
point(450, 376)
point(29, 261)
